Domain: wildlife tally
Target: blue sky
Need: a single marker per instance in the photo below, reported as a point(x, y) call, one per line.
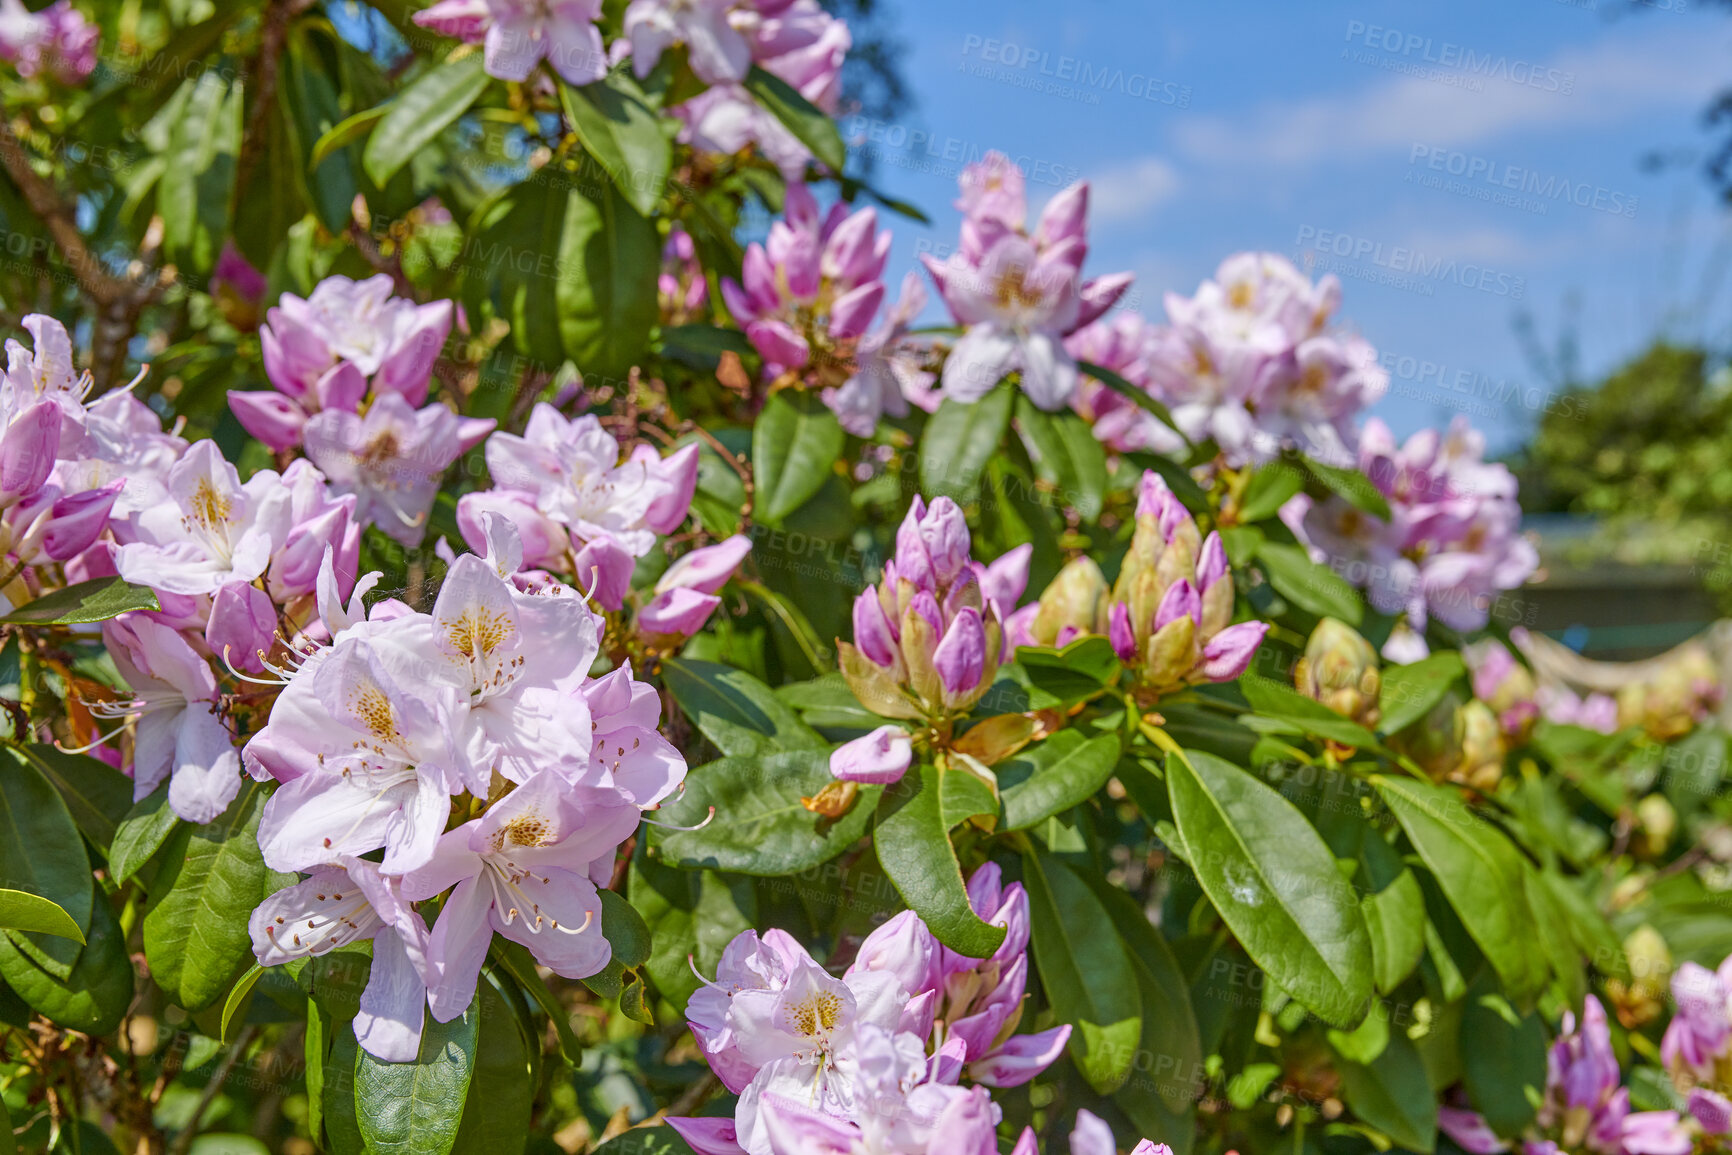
point(1453, 162)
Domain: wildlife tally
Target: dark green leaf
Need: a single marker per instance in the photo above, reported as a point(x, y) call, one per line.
point(734, 710)
point(95, 996)
point(1393, 1094)
point(964, 795)
point(1066, 455)
point(516, 961)
point(626, 933)
point(1351, 486)
point(1275, 883)
point(1308, 585)
point(1394, 912)
point(1271, 699)
point(607, 261)
point(96, 794)
point(421, 113)
point(1085, 971)
point(346, 132)
point(1479, 871)
point(415, 1108)
point(1502, 1063)
point(615, 123)
point(1409, 692)
point(958, 442)
point(96, 600)
point(795, 444)
point(41, 852)
point(692, 915)
point(502, 1087)
point(198, 180)
point(759, 827)
point(914, 848)
point(1268, 490)
point(194, 941)
point(811, 126)
point(141, 833)
point(1142, 397)
point(1063, 677)
point(1051, 776)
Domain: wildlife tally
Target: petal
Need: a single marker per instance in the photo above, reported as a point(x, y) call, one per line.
point(882, 756)
point(979, 362)
point(457, 948)
point(207, 767)
point(394, 1005)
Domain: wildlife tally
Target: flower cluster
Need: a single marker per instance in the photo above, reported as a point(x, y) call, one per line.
point(1584, 1109)
point(795, 40)
point(1697, 1046)
point(482, 711)
point(928, 639)
point(585, 508)
point(1018, 293)
point(681, 290)
point(1169, 615)
point(57, 40)
point(351, 365)
point(1250, 362)
point(874, 1061)
point(1452, 543)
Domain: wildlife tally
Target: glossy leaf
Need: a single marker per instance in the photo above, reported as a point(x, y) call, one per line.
point(1053, 775)
point(1409, 692)
point(198, 181)
point(95, 994)
point(1268, 490)
point(811, 126)
point(1351, 486)
point(421, 113)
point(626, 933)
point(613, 119)
point(1275, 883)
point(415, 1108)
point(1502, 1063)
point(96, 600)
point(141, 833)
point(41, 852)
point(1085, 970)
point(1066, 455)
point(759, 827)
point(1057, 678)
point(958, 442)
point(913, 843)
point(502, 1084)
point(20, 910)
point(795, 444)
point(96, 794)
point(734, 710)
point(1393, 1094)
point(1308, 585)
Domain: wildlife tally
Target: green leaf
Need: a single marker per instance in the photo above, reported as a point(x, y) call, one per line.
point(616, 125)
point(1159, 1100)
point(1394, 909)
point(1351, 486)
point(1272, 700)
point(515, 960)
point(1059, 678)
point(1051, 776)
point(96, 600)
point(963, 795)
point(913, 844)
point(1409, 692)
point(1394, 1095)
point(237, 1000)
point(1275, 883)
point(1308, 585)
point(692, 916)
point(195, 943)
point(626, 933)
point(415, 1108)
point(197, 183)
point(1588, 927)
point(958, 442)
point(141, 833)
point(656, 1140)
point(345, 132)
point(608, 258)
point(759, 826)
point(1268, 490)
point(1066, 455)
point(421, 113)
point(1501, 1062)
point(811, 126)
point(96, 794)
point(41, 852)
point(1141, 397)
point(1085, 971)
point(734, 710)
point(337, 1091)
point(795, 444)
point(503, 1084)
point(1479, 871)
point(97, 992)
point(21, 910)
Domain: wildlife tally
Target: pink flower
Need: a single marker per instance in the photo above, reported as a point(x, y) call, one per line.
point(58, 39)
point(391, 460)
point(889, 369)
point(719, 52)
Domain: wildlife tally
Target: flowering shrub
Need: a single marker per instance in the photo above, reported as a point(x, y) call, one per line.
point(496, 659)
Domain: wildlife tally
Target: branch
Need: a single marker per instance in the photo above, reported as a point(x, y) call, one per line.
point(62, 223)
point(183, 1141)
point(279, 14)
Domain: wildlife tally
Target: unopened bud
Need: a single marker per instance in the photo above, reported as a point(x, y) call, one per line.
point(1340, 670)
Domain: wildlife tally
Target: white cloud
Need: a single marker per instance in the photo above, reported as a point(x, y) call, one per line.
point(1133, 190)
point(1622, 75)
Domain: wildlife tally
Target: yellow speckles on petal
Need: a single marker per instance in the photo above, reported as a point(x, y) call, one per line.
point(373, 709)
point(524, 830)
point(817, 1014)
point(476, 633)
point(209, 508)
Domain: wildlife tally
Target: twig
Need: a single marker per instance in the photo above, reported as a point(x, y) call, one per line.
point(279, 14)
point(183, 1142)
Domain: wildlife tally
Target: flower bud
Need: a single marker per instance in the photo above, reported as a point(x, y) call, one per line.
point(708, 569)
point(881, 757)
point(677, 612)
point(1482, 748)
point(903, 947)
point(1340, 670)
point(1435, 741)
point(1072, 604)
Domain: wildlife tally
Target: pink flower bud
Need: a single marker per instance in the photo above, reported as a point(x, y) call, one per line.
point(678, 472)
point(778, 343)
point(1020, 1058)
point(1121, 633)
point(851, 314)
point(1228, 654)
point(677, 613)
point(1100, 294)
point(27, 450)
point(882, 756)
point(708, 569)
point(242, 623)
point(1181, 600)
point(960, 658)
point(74, 523)
point(874, 633)
point(271, 417)
point(1064, 218)
point(902, 946)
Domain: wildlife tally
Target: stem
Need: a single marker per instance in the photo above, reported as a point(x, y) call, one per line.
point(183, 1142)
